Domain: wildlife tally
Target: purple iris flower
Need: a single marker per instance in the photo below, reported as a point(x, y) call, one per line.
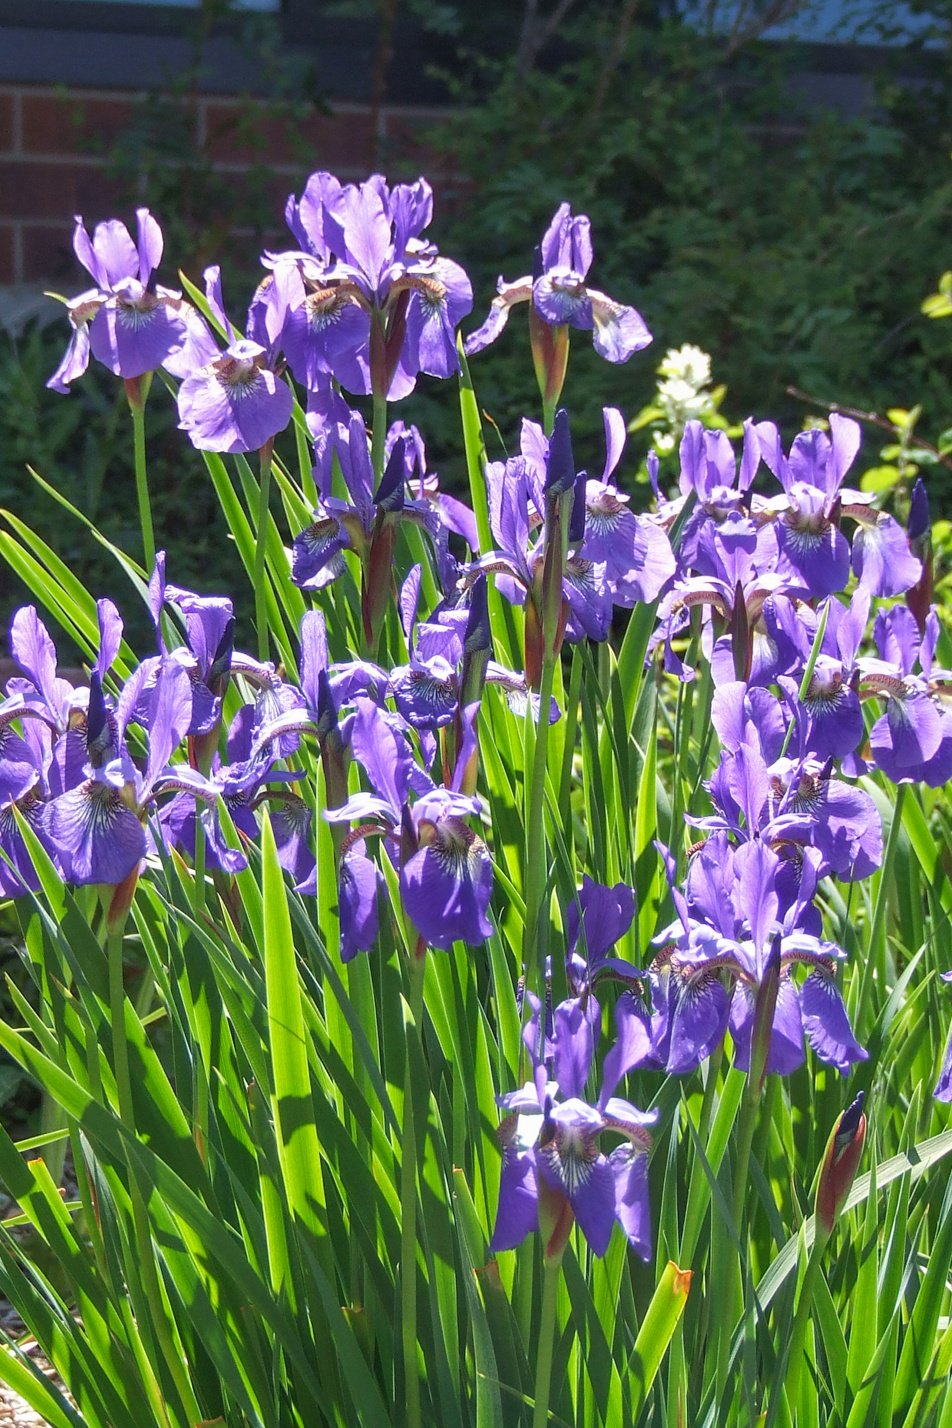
point(791, 803)
point(829, 717)
point(55, 711)
point(367, 524)
point(729, 925)
point(453, 514)
point(23, 787)
point(560, 295)
point(808, 528)
point(912, 740)
point(125, 322)
point(444, 867)
point(751, 627)
point(234, 401)
point(325, 687)
point(711, 478)
point(444, 653)
point(633, 550)
point(206, 657)
point(521, 494)
point(97, 828)
point(238, 784)
point(367, 300)
point(554, 1171)
point(811, 542)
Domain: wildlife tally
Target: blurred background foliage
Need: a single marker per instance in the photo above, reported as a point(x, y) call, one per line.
point(793, 241)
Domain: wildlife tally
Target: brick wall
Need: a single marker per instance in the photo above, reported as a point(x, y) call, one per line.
point(52, 164)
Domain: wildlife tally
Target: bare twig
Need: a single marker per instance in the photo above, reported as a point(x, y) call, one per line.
point(871, 419)
point(383, 54)
point(625, 22)
point(749, 26)
point(537, 31)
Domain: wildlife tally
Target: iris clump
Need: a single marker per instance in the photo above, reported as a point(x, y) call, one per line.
point(611, 812)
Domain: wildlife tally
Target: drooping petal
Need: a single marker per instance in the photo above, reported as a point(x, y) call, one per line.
point(446, 886)
point(518, 1209)
point(697, 1021)
point(906, 736)
point(498, 315)
point(827, 1024)
point(882, 560)
point(359, 885)
point(620, 331)
point(97, 838)
point(629, 1168)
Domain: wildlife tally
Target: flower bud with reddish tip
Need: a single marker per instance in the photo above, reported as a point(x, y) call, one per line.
point(550, 355)
point(556, 1218)
point(840, 1161)
point(919, 530)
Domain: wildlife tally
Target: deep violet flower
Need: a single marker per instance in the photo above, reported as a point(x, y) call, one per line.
point(125, 321)
point(560, 295)
point(234, 401)
point(97, 827)
point(445, 871)
point(554, 1171)
point(729, 923)
point(367, 299)
point(913, 739)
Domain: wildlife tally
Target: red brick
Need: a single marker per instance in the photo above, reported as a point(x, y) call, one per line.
point(7, 273)
point(53, 124)
point(56, 191)
point(257, 134)
point(6, 123)
point(48, 255)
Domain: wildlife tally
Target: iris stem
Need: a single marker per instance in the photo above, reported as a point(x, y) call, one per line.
point(789, 1382)
point(749, 1106)
point(546, 1341)
point(137, 408)
point(146, 1268)
point(408, 1203)
point(535, 825)
point(548, 415)
point(876, 965)
point(378, 443)
point(261, 540)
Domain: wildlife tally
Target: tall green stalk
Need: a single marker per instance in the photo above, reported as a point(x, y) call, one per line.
point(137, 389)
point(408, 1202)
point(545, 1344)
point(538, 741)
point(261, 542)
point(158, 1314)
point(378, 440)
